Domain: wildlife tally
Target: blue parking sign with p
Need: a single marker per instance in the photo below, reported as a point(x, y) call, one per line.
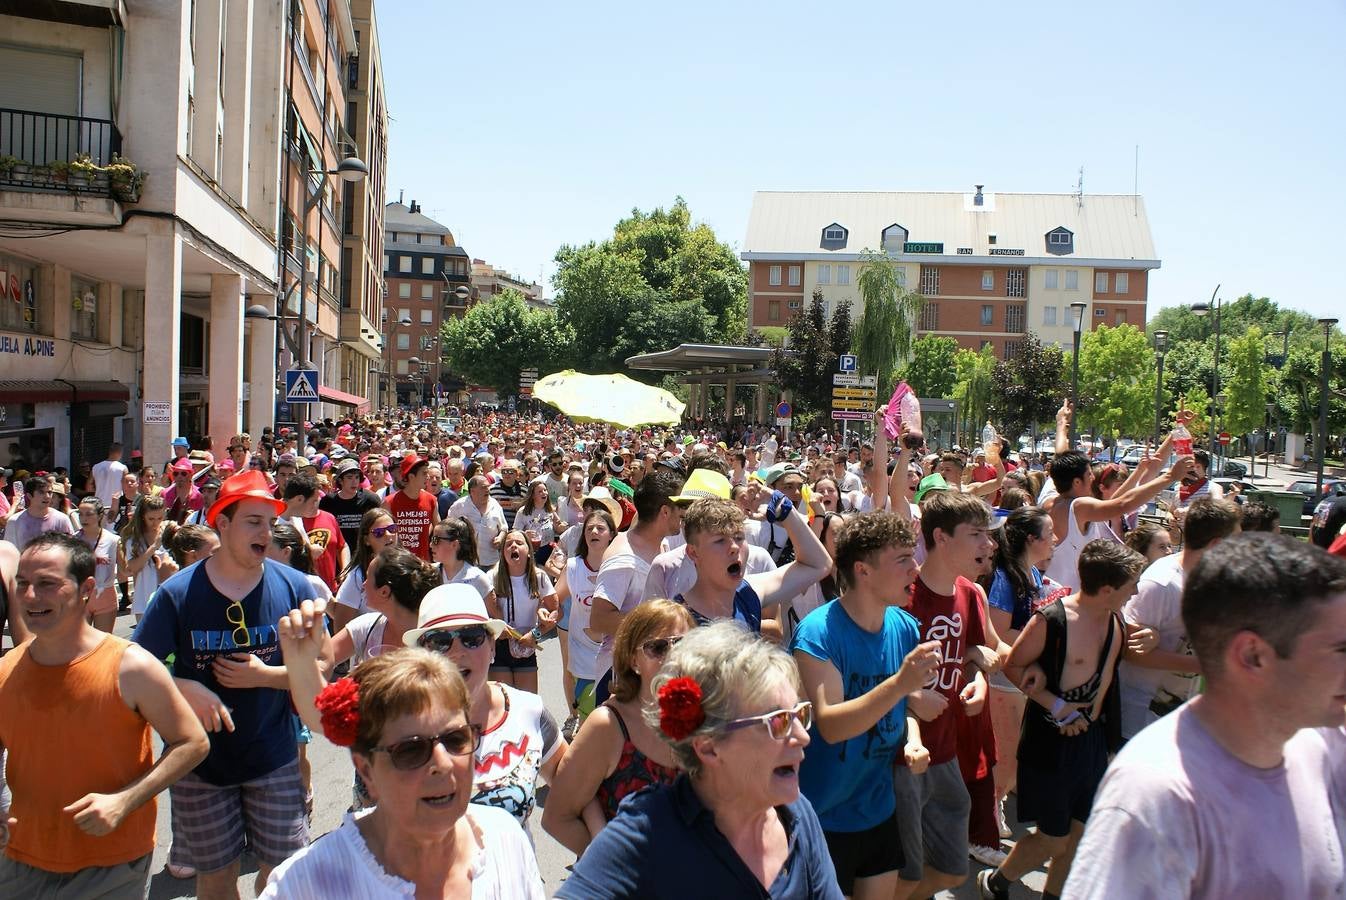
point(848, 362)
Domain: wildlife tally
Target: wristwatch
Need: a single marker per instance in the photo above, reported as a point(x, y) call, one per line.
point(536, 633)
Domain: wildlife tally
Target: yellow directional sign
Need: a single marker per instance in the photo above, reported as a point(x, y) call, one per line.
point(838, 403)
point(855, 392)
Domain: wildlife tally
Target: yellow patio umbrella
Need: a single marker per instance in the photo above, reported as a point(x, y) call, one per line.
point(608, 398)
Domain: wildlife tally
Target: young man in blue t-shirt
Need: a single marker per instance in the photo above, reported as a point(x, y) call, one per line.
point(859, 658)
point(218, 618)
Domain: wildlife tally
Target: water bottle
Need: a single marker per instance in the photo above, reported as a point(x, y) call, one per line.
point(1182, 440)
point(987, 434)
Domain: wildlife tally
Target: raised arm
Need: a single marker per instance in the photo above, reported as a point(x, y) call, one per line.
point(810, 564)
point(303, 643)
point(840, 719)
point(876, 480)
point(1063, 426)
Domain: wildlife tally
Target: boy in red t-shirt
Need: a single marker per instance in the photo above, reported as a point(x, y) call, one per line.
point(414, 509)
point(934, 805)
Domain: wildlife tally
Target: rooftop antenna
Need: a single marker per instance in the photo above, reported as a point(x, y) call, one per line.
point(399, 196)
point(1135, 190)
point(1079, 190)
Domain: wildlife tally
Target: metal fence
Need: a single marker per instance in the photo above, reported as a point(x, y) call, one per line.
point(37, 140)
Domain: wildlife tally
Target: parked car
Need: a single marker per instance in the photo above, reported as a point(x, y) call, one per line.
point(1309, 488)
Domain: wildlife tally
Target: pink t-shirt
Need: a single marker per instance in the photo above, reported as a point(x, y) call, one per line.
point(1178, 816)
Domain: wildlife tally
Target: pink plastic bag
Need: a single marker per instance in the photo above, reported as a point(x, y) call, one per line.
point(904, 409)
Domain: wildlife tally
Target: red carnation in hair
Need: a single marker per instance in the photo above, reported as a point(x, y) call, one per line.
point(680, 710)
point(339, 703)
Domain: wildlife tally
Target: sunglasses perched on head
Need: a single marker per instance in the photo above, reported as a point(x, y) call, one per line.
point(777, 722)
point(441, 640)
point(414, 752)
point(660, 646)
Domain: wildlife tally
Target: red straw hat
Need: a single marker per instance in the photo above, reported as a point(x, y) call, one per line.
point(251, 485)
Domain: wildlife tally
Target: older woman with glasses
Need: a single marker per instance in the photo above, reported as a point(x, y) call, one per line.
point(616, 752)
point(521, 739)
point(734, 823)
point(404, 717)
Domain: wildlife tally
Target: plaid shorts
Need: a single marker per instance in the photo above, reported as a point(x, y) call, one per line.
point(212, 824)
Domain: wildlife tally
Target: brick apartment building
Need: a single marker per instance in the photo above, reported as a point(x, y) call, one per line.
point(992, 267)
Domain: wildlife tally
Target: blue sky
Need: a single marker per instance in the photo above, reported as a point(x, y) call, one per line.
point(525, 126)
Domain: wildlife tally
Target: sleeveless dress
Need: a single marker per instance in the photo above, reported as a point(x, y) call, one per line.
point(634, 771)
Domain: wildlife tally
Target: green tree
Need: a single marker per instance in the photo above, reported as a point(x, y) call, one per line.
point(659, 281)
point(974, 386)
point(1246, 390)
point(931, 372)
point(805, 368)
point(497, 339)
point(1029, 386)
point(883, 336)
point(1117, 374)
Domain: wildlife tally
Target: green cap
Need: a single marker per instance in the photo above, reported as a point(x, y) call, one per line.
point(930, 483)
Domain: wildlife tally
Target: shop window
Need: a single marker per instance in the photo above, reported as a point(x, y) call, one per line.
point(18, 295)
point(83, 309)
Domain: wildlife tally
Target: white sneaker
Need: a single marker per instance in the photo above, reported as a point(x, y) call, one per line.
point(987, 856)
point(1005, 831)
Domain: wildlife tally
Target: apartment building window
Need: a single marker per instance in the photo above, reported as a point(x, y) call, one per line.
point(1016, 283)
point(404, 291)
point(1122, 284)
point(19, 316)
point(427, 292)
point(1100, 282)
point(1048, 316)
point(824, 274)
point(773, 311)
point(1059, 238)
point(83, 309)
point(427, 342)
point(1014, 318)
point(929, 280)
point(986, 343)
point(773, 276)
point(795, 276)
point(1050, 279)
point(834, 233)
point(843, 274)
point(404, 264)
point(425, 367)
point(987, 314)
point(1072, 280)
point(987, 280)
point(386, 262)
point(795, 304)
point(427, 317)
point(1119, 317)
point(403, 367)
point(930, 317)
point(428, 266)
point(404, 341)
point(1012, 349)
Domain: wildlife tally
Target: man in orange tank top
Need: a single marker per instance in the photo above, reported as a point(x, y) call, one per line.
point(82, 824)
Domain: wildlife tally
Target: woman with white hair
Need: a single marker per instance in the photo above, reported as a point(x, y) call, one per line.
point(733, 823)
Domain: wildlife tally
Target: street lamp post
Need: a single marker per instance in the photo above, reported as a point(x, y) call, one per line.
point(1280, 367)
point(349, 169)
point(1201, 310)
point(1077, 312)
point(1160, 349)
point(1323, 390)
point(404, 322)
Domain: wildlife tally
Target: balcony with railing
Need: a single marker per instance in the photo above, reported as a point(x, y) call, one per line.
point(70, 154)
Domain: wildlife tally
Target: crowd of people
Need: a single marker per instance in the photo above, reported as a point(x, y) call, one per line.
point(793, 667)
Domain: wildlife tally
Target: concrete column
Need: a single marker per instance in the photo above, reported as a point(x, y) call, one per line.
point(238, 44)
point(225, 392)
point(261, 374)
point(762, 412)
point(692, 387)
point(163, 340)
point(729, 385)
point(206, 86)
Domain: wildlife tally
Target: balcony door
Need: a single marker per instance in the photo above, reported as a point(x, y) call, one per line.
point(39, 96)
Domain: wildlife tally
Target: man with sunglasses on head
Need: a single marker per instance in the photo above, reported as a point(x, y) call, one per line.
point(217, 618)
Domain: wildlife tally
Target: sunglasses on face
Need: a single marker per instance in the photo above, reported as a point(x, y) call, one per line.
point(414, 752)
point(383, 530)
point(442, 538)
point(777, 722)
point(441, 641)
point(659, 647)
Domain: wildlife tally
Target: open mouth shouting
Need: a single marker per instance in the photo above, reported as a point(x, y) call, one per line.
point(735, 569)
point(440, 801)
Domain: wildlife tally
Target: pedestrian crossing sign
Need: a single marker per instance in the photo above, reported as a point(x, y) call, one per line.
point(301, 385)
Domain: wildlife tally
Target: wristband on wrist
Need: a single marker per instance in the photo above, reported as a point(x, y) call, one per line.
point(1057, 705)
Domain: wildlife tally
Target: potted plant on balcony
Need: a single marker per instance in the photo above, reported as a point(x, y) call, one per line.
point(125, 179)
